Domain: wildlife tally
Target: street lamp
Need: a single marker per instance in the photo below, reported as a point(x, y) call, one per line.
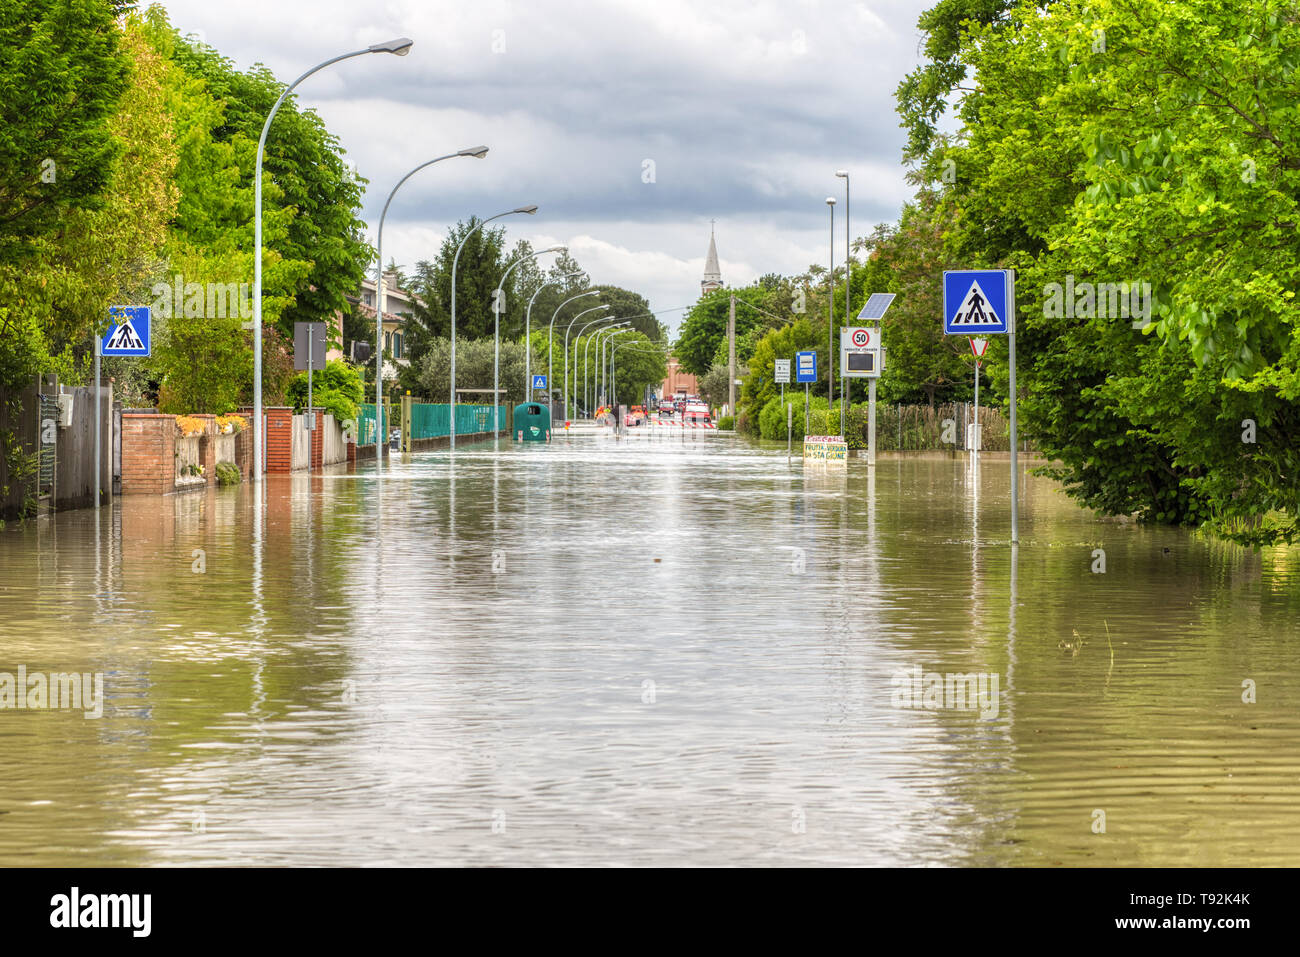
point(600, 331)
point(496, 328)
point(550, 341)
point(530, 210)
point(528, 332)
point(478, 152)
point(567, 395)
point(599, 328)
point(597, 378)
point(605, 381)
point(844, 174)
point(400, 47)
point(830, 315)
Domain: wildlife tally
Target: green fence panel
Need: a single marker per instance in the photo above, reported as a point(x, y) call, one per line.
point(433, 420)
point(366, 431)
point(429, 421)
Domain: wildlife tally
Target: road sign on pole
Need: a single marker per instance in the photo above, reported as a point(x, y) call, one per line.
point(860, 352)
point(978, 346)
point(983, 301)
point(539, 382)
point(805, 367)
point(129, 334)
point(976, 301)
point(782, 371)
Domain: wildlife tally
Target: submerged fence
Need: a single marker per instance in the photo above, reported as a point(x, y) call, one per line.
point(429, 420)
point(433, 420)
point(913, 428)
point(366, 429)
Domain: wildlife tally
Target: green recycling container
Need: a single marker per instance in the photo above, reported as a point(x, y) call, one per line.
point(532, 422)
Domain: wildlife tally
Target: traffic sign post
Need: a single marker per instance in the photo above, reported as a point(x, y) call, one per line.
point(308, 354)
point(868, 350)
point(128, 334)
point(539, 382)
point(983, 301)
point(781, 375)
point(805, 372)
point(977, 346)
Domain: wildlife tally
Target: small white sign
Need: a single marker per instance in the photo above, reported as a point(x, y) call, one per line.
point(978, 346)
point(782, 371)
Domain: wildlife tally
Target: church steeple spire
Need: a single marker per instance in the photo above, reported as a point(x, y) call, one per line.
point(712, 273)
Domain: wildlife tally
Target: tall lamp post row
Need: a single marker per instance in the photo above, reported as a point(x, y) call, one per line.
point(399, 47)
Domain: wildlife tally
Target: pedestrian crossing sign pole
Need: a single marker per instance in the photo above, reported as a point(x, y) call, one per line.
point(981, 302)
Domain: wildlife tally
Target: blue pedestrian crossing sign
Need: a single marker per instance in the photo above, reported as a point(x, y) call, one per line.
point(539, 382)
point(976, 301)
point(128, 335)
point(805, 367)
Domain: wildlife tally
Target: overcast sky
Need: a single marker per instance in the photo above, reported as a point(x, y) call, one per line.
point(744, 109)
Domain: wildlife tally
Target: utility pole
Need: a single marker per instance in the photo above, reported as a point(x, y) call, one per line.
point(731, 356)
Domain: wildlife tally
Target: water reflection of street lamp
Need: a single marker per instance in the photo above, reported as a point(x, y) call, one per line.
point(530, 210)
point(478, 152)
point(399, 47)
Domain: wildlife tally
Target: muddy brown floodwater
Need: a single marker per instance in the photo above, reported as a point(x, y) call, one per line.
point(647, 651)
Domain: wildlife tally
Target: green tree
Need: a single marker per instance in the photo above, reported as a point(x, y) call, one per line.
point(1110, 143)
point(63, 72)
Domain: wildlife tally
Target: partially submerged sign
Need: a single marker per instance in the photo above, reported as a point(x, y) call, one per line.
point(826, 448)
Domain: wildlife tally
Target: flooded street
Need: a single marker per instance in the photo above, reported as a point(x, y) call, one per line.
point(645, 651)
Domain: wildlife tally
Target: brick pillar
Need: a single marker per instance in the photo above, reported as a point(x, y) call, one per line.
point(148, 454)
point(318, 440)
point(279, 439)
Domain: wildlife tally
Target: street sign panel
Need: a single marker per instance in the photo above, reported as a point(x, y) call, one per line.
point(782, 371)
point(539, 382)
point(129, 334)
point(860, 352)
point(978, 346)
point(308, 342)
point(975, 301)
point(806, 367)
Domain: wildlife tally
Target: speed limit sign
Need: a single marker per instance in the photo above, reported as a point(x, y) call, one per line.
point(861, 338)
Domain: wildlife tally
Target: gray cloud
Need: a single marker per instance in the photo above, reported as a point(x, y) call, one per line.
point(745, 108)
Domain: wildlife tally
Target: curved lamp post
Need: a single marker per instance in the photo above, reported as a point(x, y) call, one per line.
point(399, 47)
point(550, 339)
point(530, 210)
point(496, 329)
point(596, 337)
point(603, 382)
point(528, 331)
point(565, 394)
point(600, 331)
point(478, 152)
point(577, 339)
